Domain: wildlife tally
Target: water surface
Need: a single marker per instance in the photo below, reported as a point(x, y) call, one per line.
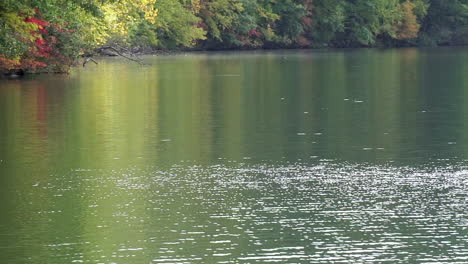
point(355, 156)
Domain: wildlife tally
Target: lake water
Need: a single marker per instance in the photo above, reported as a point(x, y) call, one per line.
point(350, 156)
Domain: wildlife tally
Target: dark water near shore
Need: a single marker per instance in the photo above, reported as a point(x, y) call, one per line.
point(254, 157)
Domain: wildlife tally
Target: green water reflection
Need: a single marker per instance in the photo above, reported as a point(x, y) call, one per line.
point(405, 105)
point(89, 161)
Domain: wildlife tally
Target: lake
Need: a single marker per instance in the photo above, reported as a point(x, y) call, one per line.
point(340, 156)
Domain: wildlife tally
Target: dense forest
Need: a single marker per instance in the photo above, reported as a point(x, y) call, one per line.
point(49, 35)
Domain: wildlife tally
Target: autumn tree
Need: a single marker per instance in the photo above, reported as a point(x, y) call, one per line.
point(409, 26)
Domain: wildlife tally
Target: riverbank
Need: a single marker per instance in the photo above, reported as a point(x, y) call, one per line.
point(49, 35)
point(133, 55)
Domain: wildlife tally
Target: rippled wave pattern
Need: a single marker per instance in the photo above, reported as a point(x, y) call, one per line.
point(328, 213)
point(346, 156)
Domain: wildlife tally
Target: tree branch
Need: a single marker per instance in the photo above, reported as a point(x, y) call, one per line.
point(137, 60)
point(88, 60)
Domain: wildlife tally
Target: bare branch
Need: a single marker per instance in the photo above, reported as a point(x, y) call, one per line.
point(137, 60)
point(88, 60)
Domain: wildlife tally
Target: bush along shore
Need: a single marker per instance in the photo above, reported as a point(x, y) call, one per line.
point(53, 35)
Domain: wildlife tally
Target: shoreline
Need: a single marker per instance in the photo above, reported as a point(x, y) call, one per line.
point(19, 74)
point(159, 52)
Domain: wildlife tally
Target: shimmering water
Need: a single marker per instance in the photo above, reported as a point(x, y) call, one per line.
point(259, 157)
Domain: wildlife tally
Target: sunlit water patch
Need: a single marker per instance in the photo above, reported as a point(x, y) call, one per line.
point(193, 159)
point(241, 213)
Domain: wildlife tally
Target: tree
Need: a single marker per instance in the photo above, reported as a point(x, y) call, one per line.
point(49, 35)
point(329, 21)
point(446, 20)
point(409, 27)
point(289, 26)
point(367, 20)
point(177, 26)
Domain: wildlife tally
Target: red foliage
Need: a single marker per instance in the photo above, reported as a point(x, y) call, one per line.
point(53, 40)
point(255, 33)
point(202, 25)
point(37, 21)
point(303, 41)
point(43, 50)
point(40, 41)
point(309, 4)
point(307, 21)
point(28, 63)
point(39, 47)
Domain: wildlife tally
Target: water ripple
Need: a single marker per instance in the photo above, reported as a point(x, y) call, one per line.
point(239, 213)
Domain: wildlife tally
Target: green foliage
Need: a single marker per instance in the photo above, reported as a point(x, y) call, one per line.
point(369, 19)
point(329, 20)
point(10, 46)
point(289, 25)
point(445, 22)
point(52, 33)
point(142, 34)
point(176, 26)
point(219, 16)
point(49, 35)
